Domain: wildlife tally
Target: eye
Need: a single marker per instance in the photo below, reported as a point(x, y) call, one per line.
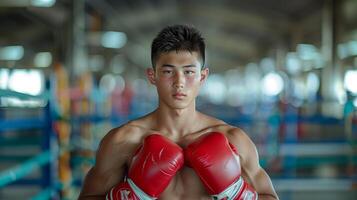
point(166, 71)
point(189, 72)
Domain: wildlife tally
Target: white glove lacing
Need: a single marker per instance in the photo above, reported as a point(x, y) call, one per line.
point(124, 194)
point(233, 190)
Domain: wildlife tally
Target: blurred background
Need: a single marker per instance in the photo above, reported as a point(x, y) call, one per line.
point(283, 71)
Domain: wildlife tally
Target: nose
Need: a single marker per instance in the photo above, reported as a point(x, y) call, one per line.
point(179, 81)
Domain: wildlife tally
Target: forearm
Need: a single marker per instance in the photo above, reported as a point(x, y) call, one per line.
point(263, 185)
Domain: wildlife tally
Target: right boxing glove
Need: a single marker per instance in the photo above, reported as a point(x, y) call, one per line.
point(153, 166)
point(216, 162)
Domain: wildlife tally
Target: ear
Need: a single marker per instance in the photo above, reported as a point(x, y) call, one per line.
point(204, 75)
point(150, 74)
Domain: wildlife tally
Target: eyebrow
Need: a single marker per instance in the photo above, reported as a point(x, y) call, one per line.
point(185, 66)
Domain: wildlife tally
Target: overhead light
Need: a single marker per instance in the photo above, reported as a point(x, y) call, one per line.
point(4, 78)
point(350, 81)
point(352, 47)
point(43, 3)
point(293, 64)
point(43, 59)
point(342, 51)
point(313, 83)
point(112, 39)
point(27, 3)
point(347, 49)
point(307, 51)
point(273, 84)
point(339, 93)
point(33, 84)
point(11, 52)
point(107, 83)
point(267, 64)
point(299, 90)
point(119, 83)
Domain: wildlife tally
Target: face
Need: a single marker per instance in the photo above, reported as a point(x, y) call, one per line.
point(178, 78)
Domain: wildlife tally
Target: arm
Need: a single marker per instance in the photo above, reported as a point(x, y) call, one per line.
point(255, 174)
point(152, 168)
point(110, 165)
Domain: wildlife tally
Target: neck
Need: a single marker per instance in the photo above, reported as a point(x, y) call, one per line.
point(176, 121)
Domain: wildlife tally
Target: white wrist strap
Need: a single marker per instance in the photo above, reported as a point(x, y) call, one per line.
point(141, 194)
point(233, 190)
point(124, 194)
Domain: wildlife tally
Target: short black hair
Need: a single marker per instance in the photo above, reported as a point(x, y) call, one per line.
point(178, 38)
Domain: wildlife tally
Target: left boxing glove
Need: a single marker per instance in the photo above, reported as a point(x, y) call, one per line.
point(153, 166)
point(216, 162)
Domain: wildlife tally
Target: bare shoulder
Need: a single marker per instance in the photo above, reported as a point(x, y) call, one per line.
point(242, 141)
point(236, 133)
point(211, 123)
point(127, 136)
point(113, 156)
point(126, 133)
point(238, 137)
point(120, 143)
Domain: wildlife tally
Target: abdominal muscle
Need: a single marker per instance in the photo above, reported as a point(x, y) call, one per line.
point(185, 186)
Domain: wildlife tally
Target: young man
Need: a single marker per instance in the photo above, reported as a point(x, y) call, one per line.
point(176, 152)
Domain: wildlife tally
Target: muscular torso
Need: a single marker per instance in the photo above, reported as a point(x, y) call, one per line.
point(119, 146)
point(186, 184)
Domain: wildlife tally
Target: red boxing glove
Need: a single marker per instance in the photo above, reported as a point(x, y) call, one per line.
point(217, 164)
point(153, 166)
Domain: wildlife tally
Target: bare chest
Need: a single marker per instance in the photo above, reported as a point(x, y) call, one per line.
point(185, 185)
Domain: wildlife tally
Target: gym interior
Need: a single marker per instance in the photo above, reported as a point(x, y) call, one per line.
point(283, 71)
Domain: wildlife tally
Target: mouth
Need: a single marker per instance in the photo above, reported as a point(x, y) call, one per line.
point(179, 95)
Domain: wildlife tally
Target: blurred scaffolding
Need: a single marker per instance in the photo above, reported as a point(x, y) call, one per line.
point(284, 71)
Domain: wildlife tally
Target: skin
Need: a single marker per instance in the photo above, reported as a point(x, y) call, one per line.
point(176, 118)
